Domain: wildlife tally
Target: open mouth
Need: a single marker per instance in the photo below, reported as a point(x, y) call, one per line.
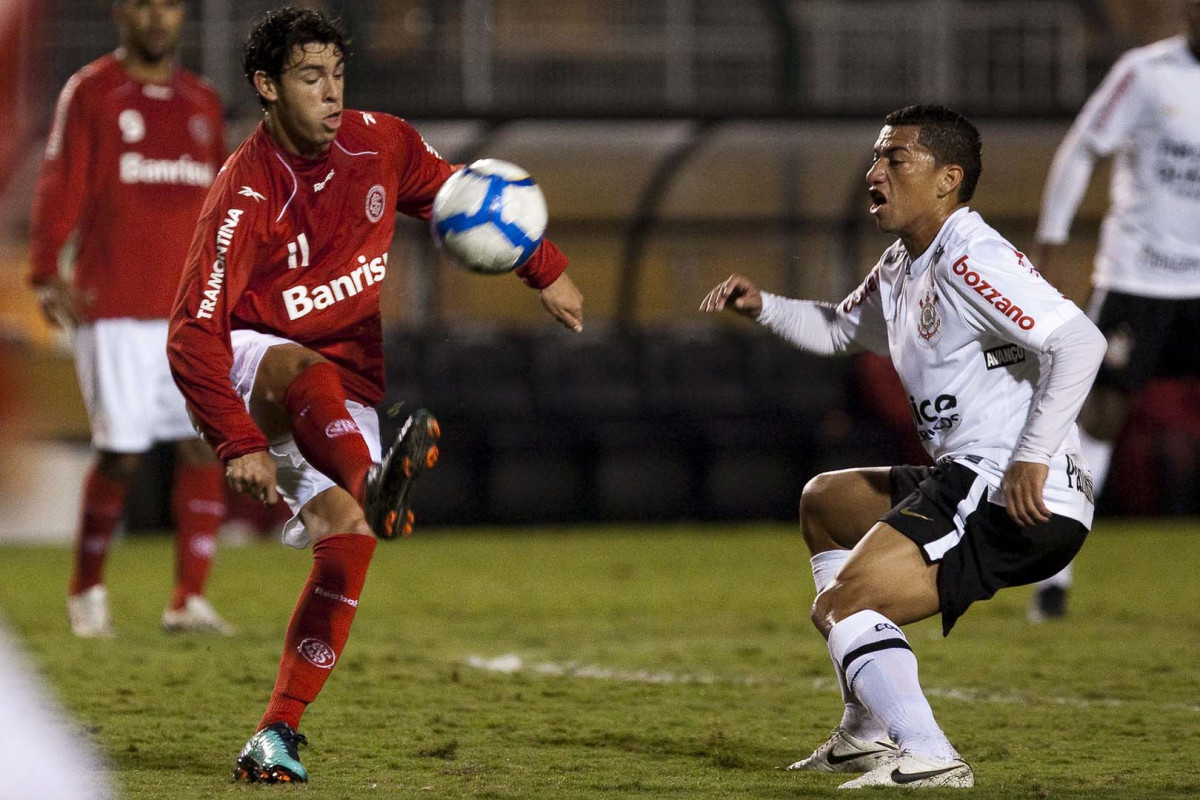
point(334, 120)
point(877, 199)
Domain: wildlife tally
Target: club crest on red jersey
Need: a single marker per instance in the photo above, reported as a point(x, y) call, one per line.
point(318, 653)
point(132, 125)
point(376, 202)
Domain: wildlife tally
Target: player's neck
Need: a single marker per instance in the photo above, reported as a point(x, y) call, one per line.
point(294, 145)
point(144, 71)
point(925, 231)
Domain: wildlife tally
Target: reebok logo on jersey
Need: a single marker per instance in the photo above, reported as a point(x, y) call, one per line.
point(301, 301)
point(338, 596)
point(216, 280)
point(246, 191)
point(993, 295)
point(1003, 356)
point(183, 171)
point(319, 186)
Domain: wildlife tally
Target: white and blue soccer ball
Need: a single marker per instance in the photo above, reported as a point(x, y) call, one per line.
point(489, 216)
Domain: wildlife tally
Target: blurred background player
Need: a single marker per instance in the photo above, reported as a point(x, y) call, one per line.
point(998, 363)
point(136, 142)
point(1146, 282)
point(276, 339)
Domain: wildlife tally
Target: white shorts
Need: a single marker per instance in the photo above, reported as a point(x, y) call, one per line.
point(296, 479)
point(131, 399)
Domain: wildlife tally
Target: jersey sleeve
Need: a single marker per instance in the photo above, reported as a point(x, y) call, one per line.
point(1005, 296)
point(1105, 124)
point(422, 171)
point(216, 273)
point(62, 185)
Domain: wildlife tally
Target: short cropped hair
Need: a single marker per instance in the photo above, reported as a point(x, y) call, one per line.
point(278, 32)
point(950, 137)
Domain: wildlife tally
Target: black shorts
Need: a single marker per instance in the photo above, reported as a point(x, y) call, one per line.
point(978, 547)
point(1148, 337)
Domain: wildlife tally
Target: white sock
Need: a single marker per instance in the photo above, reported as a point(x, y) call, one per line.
point(856, 719)
point(1062, 579)
point(881, 671)
point(1098, 454)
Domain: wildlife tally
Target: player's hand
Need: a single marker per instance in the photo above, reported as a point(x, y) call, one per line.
point(57, 301)
point(1023, 484)
point(564, 302)
point(253, 474)
point(737, 293)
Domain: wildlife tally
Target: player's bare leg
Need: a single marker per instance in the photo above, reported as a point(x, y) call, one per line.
point(104, 492)
point(1100, 423)
point(884, 584)
point(198, 502)
point(836, 510)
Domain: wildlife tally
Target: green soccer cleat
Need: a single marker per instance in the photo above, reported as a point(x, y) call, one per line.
point(388, 506)
point(270, 756)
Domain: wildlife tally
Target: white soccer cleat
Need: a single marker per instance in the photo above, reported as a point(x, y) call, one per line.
point(88, 612)
point(196, 616)
point(842, 752)
point(908, 771)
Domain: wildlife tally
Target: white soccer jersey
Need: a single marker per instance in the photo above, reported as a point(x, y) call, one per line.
point(1147, 113)
point(965, 324)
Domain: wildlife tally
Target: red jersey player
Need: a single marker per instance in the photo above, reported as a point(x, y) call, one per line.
point(276, 338)
point(136, 142)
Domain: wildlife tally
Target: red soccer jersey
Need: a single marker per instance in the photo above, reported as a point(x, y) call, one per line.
point(128, 164)
point(298, 248)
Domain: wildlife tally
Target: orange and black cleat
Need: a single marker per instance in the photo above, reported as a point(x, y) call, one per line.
point(389, 484)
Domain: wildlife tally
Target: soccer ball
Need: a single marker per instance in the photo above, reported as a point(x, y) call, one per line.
point(489, 216)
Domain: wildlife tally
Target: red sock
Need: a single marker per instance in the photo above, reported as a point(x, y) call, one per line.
point(103, 502)
point(198, 501)
point(320, 624)
point(324, 430)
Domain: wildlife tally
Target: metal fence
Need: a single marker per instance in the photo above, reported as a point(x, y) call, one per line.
point(460, 58)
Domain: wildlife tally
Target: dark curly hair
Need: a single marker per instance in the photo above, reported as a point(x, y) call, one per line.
point(278, 32)
point(950, 137)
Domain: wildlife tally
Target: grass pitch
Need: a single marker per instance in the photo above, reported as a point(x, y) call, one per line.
point(620, 663)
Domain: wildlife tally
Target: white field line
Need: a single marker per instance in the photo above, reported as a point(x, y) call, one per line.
point(511, 663)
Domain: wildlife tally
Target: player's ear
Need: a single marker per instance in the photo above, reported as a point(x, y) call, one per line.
point(951, 178)
point(266, 86)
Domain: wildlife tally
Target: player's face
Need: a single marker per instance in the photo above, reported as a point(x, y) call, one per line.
point(150, 28)
point(904, 182)
point(307, 101)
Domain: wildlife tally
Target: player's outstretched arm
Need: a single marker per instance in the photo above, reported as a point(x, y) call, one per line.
point(564, 301)
point(253, 474)
point(737, 293)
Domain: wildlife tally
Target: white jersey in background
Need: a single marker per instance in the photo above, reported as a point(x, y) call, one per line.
point(1147, 113)
point(965, 325)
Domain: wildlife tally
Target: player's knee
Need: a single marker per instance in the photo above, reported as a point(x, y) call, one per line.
point(120, 467)
point(816, 507)
point(838, 601)
point(280, 367)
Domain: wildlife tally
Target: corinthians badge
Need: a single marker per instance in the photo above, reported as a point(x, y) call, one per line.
point(929, 324)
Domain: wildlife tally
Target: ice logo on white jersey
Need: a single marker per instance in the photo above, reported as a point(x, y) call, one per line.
point(300, 301)
point(133, 127)
point(376, 201)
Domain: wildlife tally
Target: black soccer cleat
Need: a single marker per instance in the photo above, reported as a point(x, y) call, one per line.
point(271, 756)
point(389, 484)
point(1049, 602)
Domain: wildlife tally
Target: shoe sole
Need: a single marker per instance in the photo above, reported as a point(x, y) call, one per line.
point(415, 453)
point(251, 771)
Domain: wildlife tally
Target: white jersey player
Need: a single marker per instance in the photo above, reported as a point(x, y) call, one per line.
point(1146, 282)
point(996, 364)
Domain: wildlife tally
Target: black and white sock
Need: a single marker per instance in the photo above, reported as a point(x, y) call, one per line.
point(881, 671)
point(856, 719)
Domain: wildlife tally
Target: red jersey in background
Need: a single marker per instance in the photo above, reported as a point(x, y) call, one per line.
point(298, 248)
point(127, 165)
